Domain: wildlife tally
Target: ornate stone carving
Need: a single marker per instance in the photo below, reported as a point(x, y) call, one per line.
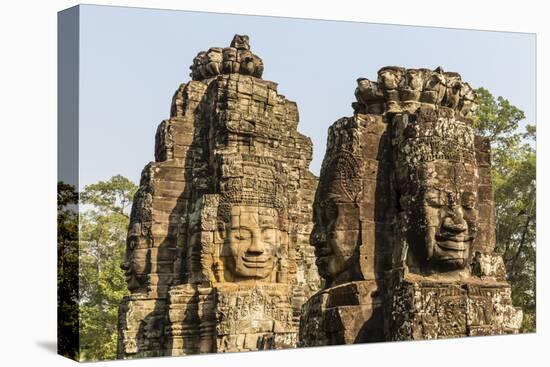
point(415, 251)
point(398, 89)
point(234, 59)
point(437, 185)
point(351, 218)
point(218, 256)
point(446, 280)
point(336, 213)
point(402, 237)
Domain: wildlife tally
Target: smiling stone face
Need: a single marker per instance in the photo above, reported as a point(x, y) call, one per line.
point(455, 227)
point(336, 226)
point(252, 244)
point(334, 242)
point(437, 179)
point(445, 225)
point(136, 258)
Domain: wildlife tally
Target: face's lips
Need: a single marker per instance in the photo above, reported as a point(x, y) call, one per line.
point(323, 250)
point(459, 237)
point(321, 262)
point(322, 255)
point(453, 260)
point(452, 245)
point(255, 261)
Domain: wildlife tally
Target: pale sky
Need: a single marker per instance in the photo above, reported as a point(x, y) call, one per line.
point(132, 60)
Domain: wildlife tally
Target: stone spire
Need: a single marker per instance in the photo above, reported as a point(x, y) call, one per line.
point(404, 224)
point(218, 255)
point(235, 59)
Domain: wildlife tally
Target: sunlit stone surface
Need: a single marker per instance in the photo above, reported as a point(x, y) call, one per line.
point(404, 222)
point(218, 255)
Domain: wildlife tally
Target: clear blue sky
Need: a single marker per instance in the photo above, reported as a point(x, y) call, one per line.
point(132, 60)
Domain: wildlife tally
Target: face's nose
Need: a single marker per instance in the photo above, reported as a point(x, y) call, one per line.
point(454, 221)
point(317, 236)
point(256, 245)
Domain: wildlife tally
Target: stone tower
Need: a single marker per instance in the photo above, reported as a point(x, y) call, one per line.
point(218, 256)
point(404, 224)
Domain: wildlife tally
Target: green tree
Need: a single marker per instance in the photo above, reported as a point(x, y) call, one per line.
point(514, 180)
point(113, 196)
point(67, 271)
point(103, 228)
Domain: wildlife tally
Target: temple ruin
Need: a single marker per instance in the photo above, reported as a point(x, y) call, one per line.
point(234, 245)
point(404, 219)
point(218, 255)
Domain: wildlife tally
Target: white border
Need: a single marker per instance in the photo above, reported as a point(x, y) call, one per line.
point(28, 179)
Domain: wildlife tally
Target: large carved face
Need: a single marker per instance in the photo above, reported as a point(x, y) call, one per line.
point(334, 243)
point(336, 227)
point(136, 259)
point(252, 243)
point(443, 218)
point(437, 180)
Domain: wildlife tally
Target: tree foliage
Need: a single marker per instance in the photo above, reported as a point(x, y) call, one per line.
point(103, 228)
point(67, 271)
point(113, 196)
point(514, 181)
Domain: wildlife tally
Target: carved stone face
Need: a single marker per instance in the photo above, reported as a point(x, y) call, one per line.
point(252, 243)
point(214, 54)
point(390, 78)
point(335, 233)
point(367, 91)
point(247, 62)
point(197, 63)
point(136, 258)
point(415, 79)
point(438, 183)
point(363, 86)
point(467, 104)
point(446, 218)
point(230, 54)
point(435, 87)
point(334, 242)
point(240, 42)
point(454, 89)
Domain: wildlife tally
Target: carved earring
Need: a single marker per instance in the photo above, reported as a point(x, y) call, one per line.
point(219, 233)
